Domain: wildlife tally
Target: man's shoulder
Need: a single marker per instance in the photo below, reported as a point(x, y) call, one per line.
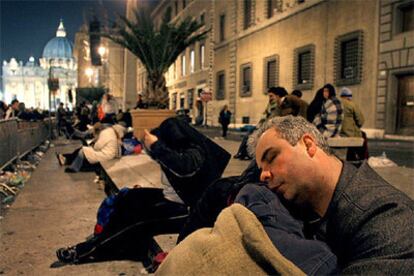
point(367, 190)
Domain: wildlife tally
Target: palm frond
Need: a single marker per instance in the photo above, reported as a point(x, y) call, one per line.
point(157, 48)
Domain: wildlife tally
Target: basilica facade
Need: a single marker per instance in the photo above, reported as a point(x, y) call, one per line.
point(28, 82)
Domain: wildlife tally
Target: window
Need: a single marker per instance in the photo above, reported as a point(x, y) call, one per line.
point(304, 60)
point(271, 72)
point(184, 4)
point(404, 17)
point(247, 18)
point(183, 65)
point(348, 58)
point(304, 67)
point(192, 61)
point(182, 100)
point(222, 27)
point(190, 98)
point(203, 18)
point(246, 80)
point(221, 84)
point(174, 101)
point(272, 5)
point(202, 53)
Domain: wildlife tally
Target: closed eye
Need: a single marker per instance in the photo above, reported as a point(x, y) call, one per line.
point(269, 155)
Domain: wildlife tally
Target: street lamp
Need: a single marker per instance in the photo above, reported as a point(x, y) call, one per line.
point(89, 74)
point(102, 51)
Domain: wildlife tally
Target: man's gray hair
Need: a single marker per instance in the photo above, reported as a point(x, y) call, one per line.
point(291, 129)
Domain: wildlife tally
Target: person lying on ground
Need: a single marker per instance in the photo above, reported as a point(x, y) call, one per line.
point(189, 162)
point(353, 209)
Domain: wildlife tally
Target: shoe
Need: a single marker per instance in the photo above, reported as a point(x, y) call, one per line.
point(67, 254)
point(61, 159)
point(70, 170)
point(247, 158)
point(237, 156)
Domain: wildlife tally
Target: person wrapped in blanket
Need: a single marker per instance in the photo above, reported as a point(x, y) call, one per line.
point(189, 162)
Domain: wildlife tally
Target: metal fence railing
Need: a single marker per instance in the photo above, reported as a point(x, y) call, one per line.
point(19, 137)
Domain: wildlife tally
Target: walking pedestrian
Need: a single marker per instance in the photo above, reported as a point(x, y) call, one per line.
point(224, 120)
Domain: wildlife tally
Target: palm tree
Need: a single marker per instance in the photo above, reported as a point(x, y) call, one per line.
point(156, 47)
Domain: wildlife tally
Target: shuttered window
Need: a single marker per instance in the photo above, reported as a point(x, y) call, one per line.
point(304, 70)
point(348, 58)
point(221, 84)
point(247, 16)
point(407, 20)
point(272, 6)
point(222, 27)
point(271, 74)
point(246, 80)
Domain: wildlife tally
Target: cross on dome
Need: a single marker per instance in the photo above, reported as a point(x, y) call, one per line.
point(61, 30)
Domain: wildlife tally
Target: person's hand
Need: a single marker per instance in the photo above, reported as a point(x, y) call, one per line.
point(149, 139)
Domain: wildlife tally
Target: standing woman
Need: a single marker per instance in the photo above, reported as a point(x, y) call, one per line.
point(224, 119)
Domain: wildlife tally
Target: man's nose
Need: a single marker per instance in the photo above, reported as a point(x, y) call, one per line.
point(265, 176)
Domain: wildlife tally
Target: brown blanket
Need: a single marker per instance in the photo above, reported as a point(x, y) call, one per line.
point(236, 245)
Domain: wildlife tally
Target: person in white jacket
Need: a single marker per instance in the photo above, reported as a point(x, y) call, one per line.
point(107, 146)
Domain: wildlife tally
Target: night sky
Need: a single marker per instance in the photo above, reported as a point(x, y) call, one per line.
point(26, 26)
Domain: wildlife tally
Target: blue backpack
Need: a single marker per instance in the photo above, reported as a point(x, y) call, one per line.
point(106, 209)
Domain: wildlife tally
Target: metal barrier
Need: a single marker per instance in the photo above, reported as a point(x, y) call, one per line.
point(17, 138)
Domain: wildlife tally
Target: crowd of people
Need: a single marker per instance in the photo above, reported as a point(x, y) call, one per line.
point(18, 110)
point(324, 215)
point(332, 116)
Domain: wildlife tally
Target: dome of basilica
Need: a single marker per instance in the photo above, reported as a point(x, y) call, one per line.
point(59, 46)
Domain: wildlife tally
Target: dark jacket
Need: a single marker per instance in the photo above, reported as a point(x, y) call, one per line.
point(293, 105)
point(224, 117)
point(369, 224)
point(190, 160)
point(219, 195)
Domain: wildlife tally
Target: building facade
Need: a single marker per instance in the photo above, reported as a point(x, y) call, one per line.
point(366, 46)
point(395, 84)
point(110, 74)
point(29, 82)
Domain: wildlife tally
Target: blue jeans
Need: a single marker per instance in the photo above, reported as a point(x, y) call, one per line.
point(77, 161)
point(312, 256)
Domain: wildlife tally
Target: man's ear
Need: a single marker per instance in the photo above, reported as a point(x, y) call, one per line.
point(310, 144)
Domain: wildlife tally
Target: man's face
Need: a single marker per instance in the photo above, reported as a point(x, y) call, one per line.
point(15, 106)
point(272, 98)
point(284, 167)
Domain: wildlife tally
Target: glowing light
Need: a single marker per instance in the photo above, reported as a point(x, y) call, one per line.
point(89, 71)
point(101, 50)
